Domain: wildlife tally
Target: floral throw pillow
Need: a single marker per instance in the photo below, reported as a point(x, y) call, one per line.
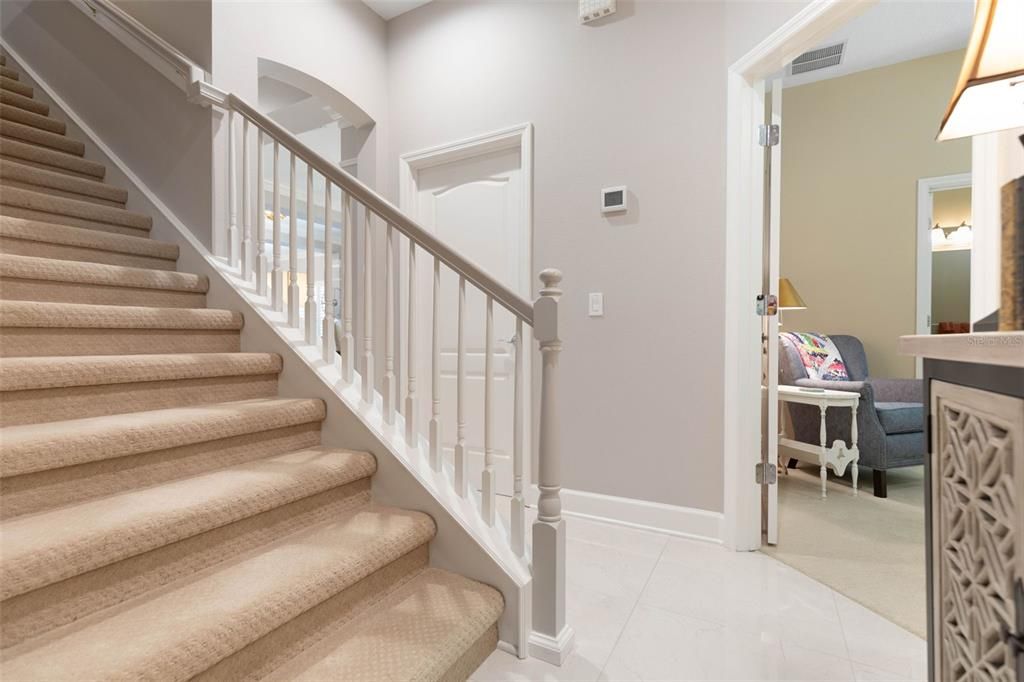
point(820, 356)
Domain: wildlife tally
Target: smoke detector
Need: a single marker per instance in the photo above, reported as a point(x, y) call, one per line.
point(820, 58)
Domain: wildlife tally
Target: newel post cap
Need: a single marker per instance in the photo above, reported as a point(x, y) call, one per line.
point(551, 278)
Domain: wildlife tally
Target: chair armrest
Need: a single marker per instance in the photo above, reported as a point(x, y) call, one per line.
point(898, 390)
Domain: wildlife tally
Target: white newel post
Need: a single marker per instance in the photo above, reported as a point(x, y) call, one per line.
point(551, 639)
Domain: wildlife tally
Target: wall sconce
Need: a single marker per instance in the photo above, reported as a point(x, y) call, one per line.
point(953, 238)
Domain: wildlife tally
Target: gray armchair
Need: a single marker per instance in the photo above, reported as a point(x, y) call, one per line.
point(890, 417)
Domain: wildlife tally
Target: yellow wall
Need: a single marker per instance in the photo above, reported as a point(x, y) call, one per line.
point(951, 207)
point(853, 149)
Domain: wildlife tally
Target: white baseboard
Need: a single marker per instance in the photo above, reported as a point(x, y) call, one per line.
point(687, 522)
point(553, 650)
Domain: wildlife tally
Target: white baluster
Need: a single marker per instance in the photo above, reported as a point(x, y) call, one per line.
point(293, 248)
point(367, 369)
point(246, 271)
point(261, 221)
point(233, 242)
point(311, 309)
point(551, 635)
point(410, 396)
point(389, 329)
point(328, 323)
point(518, 503)
point(347, 338)
point(435, 373)
point(461, 462)
point(277, 276)
point(487, 484)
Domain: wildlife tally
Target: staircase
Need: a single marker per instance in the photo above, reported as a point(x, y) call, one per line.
point(164, 514)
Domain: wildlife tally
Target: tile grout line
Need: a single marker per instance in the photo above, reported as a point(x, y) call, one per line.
point(636, 603)
point(842, 630)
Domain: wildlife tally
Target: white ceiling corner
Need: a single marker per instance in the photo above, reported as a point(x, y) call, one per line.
point(389, 9)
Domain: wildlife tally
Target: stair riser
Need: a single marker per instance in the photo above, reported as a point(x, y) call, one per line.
point(60, 184)
point(27, 103)
point(16, 86)
point(45, 405)
point(473, 657)
point(71, 221)
point(270, 651)
point(29, 118)
point(59, 193)
point(44, 609)
point(24, 247)
point(52, 159)
point(28, 341)
point(47, 167)
point(36, 492)
point(43, 138)
point(73, 292)
point(61, 206)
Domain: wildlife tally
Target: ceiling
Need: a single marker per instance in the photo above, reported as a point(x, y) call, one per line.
point(389, 9)
point(896, 31)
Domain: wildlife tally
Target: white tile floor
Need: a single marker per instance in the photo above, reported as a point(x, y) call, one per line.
point(647, 606)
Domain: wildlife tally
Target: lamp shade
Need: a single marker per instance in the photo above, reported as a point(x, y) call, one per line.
point(989, 94)
point(789, 299)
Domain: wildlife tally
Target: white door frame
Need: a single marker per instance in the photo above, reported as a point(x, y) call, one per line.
point(741, 527)
point(925, 188)
point(513, 137)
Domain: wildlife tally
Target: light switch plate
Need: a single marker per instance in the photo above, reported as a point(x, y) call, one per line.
point(596, 305)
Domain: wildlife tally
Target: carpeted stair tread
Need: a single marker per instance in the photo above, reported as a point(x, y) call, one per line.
point(417, 633)
point(34, 230)
point(11, 170)
point(41, 549)
point(29, 118)
point(227, 607)
point(74, 208)
point(78, 272)
point(31, 448)
point(83, 316)
point(51, 158)
point(43, 138)
point(16, 86)
point(41, 372)
point(27, 103)
point(7, 72)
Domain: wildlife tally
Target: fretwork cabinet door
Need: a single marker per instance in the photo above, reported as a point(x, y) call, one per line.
point(977, 521)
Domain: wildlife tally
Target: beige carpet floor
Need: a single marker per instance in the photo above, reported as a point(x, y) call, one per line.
point(869, 549)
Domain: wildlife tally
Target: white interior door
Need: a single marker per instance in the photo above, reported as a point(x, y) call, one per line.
point(475, 204)
point(770, 364)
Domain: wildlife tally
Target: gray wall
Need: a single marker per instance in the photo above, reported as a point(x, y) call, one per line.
point(142, 116)
point(185, 24)
point(637, 100)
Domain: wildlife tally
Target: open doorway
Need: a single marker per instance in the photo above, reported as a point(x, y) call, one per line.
point(859, 111)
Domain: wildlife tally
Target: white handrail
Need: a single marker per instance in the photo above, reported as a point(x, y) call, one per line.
point(388, 213)
point(153, 49)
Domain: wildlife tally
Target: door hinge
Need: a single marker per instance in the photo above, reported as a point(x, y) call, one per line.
point(768, 135)
point(766, 306)
point(766, 473)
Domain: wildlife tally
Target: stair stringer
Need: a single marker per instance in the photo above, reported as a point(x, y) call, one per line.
point(464, 544)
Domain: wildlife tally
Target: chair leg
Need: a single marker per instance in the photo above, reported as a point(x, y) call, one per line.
point(880, 481)
point(791, 464)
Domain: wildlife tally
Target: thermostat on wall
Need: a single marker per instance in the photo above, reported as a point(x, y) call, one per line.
point(595, 9)
point(613, 199)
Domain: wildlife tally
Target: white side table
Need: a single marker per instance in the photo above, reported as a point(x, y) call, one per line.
point(839, 455)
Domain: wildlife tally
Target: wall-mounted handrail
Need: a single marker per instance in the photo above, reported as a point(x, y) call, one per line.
point(153, 49)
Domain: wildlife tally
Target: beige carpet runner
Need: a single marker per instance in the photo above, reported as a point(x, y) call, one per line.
point(165, 515)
